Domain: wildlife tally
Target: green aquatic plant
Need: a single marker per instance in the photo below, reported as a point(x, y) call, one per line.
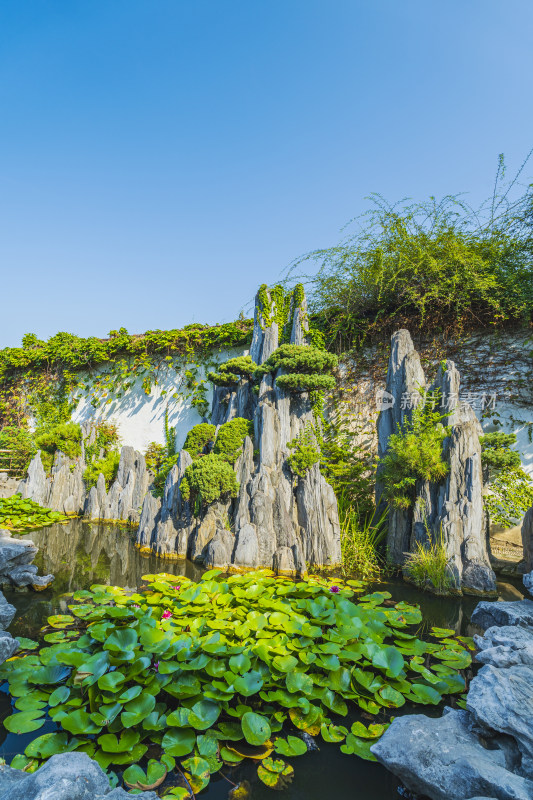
point(208, 479)
point(18, 514)
point(429, 566)
point(361, 541)
point(207, 675)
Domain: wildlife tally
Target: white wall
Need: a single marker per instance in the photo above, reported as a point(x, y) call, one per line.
point(140, 417)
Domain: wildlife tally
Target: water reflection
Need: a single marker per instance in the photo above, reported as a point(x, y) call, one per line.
point(80, 554)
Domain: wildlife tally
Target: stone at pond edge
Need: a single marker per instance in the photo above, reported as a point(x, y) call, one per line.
point(506, 646)
point(8, 646)
point(16, 569)
point(502, 700)
point(511, 612)
point(7, 612)
point(68, 776)
point(443, 759)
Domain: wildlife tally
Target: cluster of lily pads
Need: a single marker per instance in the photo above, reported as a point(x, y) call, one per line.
point(181, 680)
point(18, 514)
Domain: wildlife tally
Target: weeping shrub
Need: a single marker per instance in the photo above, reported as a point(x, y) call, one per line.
point(414, 453)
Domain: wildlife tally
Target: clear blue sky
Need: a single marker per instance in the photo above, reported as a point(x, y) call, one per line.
point(162, 158)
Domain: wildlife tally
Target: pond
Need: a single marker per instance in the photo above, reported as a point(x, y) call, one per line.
point(80, 554)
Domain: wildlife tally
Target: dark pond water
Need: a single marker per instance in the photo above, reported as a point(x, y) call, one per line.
point(80, 554)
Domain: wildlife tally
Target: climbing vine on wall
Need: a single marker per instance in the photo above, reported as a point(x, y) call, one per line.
point(43, 379)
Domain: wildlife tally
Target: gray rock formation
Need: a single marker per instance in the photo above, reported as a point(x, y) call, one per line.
point(16, 569)
point(445, 760)
point(126, 494)
point(451, 510)
point(528, 582)
point(68, 776)
point(34, 486)
point(527, 540)
point(512, 612)
point(278, 521)
point(8, 486)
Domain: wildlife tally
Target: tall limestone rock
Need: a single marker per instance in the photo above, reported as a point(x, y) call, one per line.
point(278, 520)
point(451, 509)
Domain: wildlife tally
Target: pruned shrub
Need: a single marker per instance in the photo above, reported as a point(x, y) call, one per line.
point(208, 479)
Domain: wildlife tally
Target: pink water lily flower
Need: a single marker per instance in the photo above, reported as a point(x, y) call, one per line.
point(334, 589)
point(176, 588)
point(167, 614)
point(156, 666)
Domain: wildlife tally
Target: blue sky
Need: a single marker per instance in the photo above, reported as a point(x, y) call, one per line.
point(162, 158)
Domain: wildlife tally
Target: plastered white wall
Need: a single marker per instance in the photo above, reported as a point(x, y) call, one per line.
point(140, 416)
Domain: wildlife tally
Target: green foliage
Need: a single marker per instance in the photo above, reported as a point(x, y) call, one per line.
point(102, 455)
point(348, 466)
point(44, 376)
point(162, 473)
point(413, 453)
point(361, 540)
point(154, 456)
point(105, 438)
point(508, 497)
point(509, 493)
point(198, 438)
point(428, 566)
point(108, 466)
point(307, 368)
point(208, 479)
point(19, 441)
point(208, 674)
point(230, 438)
point(170, 436)
point(66, 351)
point(65, 437)
point(17, 514)
point(432, 265)
point(299, 358)
point(232, 370)
point(305, 451)
point(306, 383)
point(496, 452)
